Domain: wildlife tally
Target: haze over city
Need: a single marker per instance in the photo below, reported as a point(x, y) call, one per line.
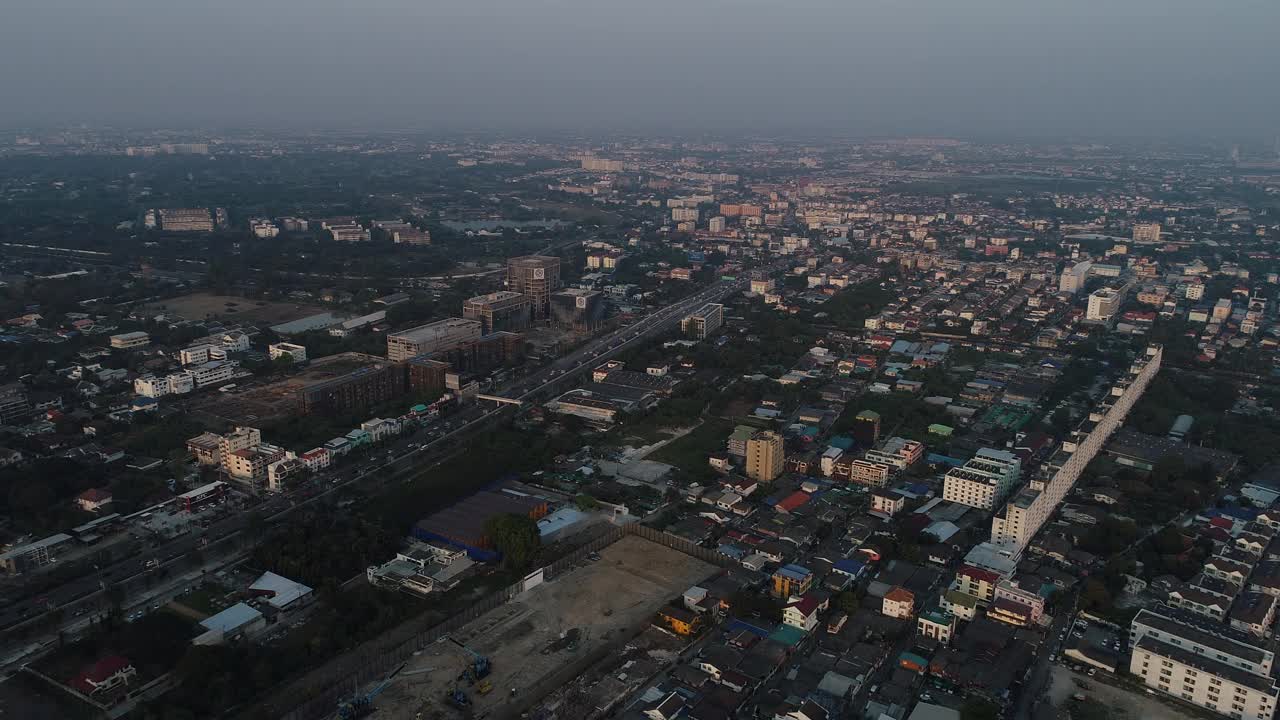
point(981, 68)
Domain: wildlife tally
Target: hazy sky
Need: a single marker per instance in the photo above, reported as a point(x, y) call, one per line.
point(986, 67)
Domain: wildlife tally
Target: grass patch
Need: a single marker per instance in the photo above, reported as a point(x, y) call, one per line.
point(689, 453)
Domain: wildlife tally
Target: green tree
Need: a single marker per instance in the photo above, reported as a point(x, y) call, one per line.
point(979, 709)
point(515, 536)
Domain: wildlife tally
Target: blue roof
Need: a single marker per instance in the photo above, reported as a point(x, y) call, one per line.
point(732, 551)
point(844, 442)
point(738, 624)
point(796, 572)
point(938, 459)
point(849, 566)
point(918, 488)
point(1240, 513)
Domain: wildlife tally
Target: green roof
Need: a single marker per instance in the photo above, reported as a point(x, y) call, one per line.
point(787, 635)
point(940, 429)
point(869, 415)
point(742, 432)
point(955, 597)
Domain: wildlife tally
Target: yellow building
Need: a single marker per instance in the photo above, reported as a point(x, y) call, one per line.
point(681, 621)
point(765, 456)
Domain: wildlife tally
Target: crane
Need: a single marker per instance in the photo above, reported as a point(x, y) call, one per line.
point(479, 667)
point(361, 705)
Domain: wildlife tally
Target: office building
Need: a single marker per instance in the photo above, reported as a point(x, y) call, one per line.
point(704, 321)
point(130, 340)
point(1103, 304)
point(765, 456)
point(984, 481)
point(577, 309)
point(432, 337)
point(1073, 278)
point(1146, 233)
point(500, 311)
point(426, 375)
point(186, 220)
point(535, 277)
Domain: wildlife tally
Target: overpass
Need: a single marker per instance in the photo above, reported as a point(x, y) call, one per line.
point(500, 399)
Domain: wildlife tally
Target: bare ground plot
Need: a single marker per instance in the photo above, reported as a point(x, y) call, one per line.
point(527, 639)
point(199, 306)
point(1120, 704)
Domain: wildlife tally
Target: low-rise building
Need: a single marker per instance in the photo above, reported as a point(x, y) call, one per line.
point(898, 603)
point(130, 340)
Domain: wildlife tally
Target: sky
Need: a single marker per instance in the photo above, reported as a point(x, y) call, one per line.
point(977, 68)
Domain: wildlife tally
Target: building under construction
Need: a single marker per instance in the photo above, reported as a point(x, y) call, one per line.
point(500, 311)
point(535, 277)
point(577, 309)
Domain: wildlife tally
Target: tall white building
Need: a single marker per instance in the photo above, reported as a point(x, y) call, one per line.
point(716, 224)
point(984, 481)
point(1030, 507)
point(683, 214)
point(1073, 278)
point(1103, 304)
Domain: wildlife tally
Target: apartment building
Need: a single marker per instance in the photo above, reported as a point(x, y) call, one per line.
point(500, 311)
point(1146, 233)
point(1022, 517)
point(898, 452)
point(14, 404)
point(1073, 278)
point(682, 214)
point(595, 164)
point(296, 353)
point(130, 340)
point(765, 456)
point(249, 465)
point(535, 277)
point(349, 233)
point(238, 439)
point(432, 337)
point(863, 472)
point(186, 220)
point(704, 321)
point(200, 354)
point(984, 481)
point(213, 372)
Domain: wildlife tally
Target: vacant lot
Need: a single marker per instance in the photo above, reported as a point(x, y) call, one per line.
point(203, 306)
point(528, 639)
point(1120, 704)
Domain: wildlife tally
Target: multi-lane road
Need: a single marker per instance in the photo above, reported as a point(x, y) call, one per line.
point(402, 461)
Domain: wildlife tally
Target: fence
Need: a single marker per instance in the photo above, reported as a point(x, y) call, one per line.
point(319, 698)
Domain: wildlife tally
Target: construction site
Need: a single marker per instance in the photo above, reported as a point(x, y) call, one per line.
point(504, 661)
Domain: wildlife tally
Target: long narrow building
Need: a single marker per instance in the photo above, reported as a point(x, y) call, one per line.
point(1024, 514)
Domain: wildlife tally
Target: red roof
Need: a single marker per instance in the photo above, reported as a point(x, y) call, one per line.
point(94, 495)
point(807, 604)
point(979, 574)
point(793, 501)
point(900, 595)
point(97, 673)
point(1225, 523)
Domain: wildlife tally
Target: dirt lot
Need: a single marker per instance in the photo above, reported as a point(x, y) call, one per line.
point(1121, 704)
point(200, 306)
point(526, 639)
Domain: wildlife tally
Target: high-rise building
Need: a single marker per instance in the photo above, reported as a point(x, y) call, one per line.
point(765, 456)
point(432, 337)
point(703, 321)
point(1146, 233)
point(535, 277)
point(1103, 304)
point(595, 164)
point(984, 481)
point(577, 309)
point(1074, 277)
point(684, 214)
point(499, 311)
point(14, 406)
point(716, 224)
point(866, 428)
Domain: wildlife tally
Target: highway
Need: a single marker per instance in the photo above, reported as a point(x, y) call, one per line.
point(403, 460)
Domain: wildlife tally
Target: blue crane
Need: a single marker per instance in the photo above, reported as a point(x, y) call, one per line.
point(479, 667)
point(361, 705)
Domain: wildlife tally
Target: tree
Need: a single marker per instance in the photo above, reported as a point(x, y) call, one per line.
point(979, 709)
point(515, 536)
point(586, 503)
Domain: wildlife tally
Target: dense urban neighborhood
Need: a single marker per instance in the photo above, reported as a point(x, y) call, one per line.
point(322, 426)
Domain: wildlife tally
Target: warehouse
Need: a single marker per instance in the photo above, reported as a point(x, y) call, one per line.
point(463, 524)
